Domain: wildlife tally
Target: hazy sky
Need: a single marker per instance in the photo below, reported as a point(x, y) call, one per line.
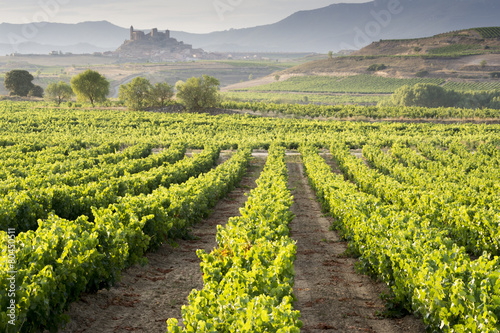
point(185, 15)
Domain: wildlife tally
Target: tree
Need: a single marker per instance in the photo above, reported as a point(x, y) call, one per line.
point(90, 86)
point(483, 63)
point(277, 77)
point(330, 54)
point(160, 94)
point(36, 91)
point(423, 94)
point(18, 82)
point(198, 92)
point(57, 92)
point(136, 94)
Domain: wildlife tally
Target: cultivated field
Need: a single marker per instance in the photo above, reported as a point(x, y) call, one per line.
point(154, 222)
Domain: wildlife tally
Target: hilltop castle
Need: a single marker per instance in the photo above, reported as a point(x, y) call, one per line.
point(140, 35)
point(156, 46)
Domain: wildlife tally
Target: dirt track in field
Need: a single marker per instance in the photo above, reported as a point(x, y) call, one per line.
point(148, 295)
point(331, 296)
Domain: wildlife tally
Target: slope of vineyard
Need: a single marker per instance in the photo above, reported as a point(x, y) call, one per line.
point(472, 86)
point(491, 32)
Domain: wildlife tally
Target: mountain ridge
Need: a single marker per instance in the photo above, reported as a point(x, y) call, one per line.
point(334, 27)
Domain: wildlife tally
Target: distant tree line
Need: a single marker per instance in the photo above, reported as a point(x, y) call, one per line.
point(196, 93)
point(90, 86)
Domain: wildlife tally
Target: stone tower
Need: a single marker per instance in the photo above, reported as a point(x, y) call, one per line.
point(131, 33)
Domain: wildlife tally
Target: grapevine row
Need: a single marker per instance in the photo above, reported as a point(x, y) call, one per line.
point(248, 279)
point(352, 111)
point(15, 162)
point(134, 159)
point(427, 273)
point(474, 227)
point(63, 258)
point(22, 210)
point(482, 164)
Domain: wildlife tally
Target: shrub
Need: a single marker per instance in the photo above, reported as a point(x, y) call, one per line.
point(421, 73)
point(376, 67)
point(425, 95)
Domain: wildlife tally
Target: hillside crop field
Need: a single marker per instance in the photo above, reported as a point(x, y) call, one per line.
point(360, 89)
point(350, 84)
point(88, 196)
point(303, 98)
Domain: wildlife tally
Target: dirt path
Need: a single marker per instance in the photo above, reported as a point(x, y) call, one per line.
point(331, 296)
point(148, 295)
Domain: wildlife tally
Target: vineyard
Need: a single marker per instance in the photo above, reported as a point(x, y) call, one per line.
point(87, 195)
point(355, 111)
point(492, 32)
point(367, 84)
point(472, 86)
point(306, 98)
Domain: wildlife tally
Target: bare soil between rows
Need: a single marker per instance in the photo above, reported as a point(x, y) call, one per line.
point(331, 295)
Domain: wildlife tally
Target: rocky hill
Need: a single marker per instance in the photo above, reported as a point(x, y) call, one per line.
point(452, 44)
point(472, 54)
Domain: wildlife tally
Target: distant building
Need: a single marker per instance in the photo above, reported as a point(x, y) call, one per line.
point(156, 46)
point(140, 35)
